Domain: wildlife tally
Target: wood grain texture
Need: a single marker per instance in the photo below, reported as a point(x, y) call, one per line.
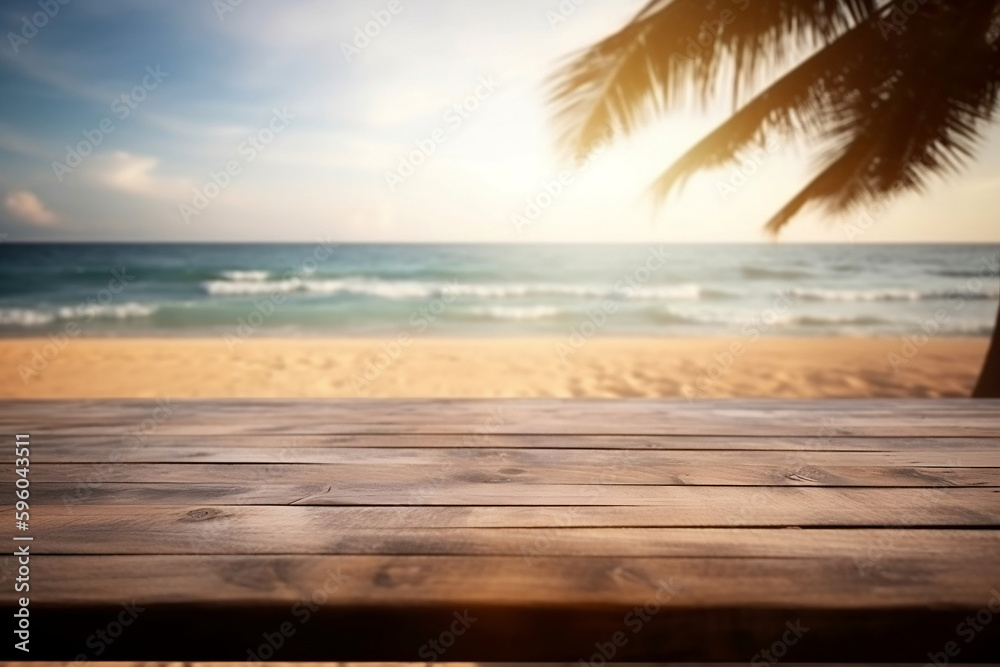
point(509, 495)
point(397, 478)
point(679, 507)
point(921, 453)
point(797, 418)
point(876, 523)
point(214, 534)
point(124, 444)
point(960, 582)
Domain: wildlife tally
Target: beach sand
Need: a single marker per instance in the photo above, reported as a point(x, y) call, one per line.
point(531, 367)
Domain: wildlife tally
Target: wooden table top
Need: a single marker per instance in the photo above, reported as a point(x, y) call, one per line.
point(494, 530)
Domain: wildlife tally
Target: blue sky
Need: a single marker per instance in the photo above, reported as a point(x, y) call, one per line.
point(308, 135)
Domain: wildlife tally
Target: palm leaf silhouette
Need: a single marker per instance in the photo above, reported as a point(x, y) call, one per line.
point(889, 93)
point(889, 97)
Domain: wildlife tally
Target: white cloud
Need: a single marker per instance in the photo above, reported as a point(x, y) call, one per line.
point(26, 207)
point(136, 174)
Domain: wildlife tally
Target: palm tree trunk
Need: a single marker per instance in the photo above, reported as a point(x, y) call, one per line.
point(989, 379)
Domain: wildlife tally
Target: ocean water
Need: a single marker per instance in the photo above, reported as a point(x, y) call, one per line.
point(504, 290)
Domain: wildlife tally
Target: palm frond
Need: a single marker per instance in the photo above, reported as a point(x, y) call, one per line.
point(673, 51)
point(895, 103)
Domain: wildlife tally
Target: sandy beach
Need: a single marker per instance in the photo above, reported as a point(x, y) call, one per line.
point(526, 367)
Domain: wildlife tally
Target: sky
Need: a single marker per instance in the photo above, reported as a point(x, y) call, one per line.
point(257, 120)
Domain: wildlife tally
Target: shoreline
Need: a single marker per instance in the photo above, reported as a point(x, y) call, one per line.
point(611, 367)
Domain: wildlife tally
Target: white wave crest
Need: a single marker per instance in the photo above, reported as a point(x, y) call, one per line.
point(252, 276)
point(688, 292)
point(29, 317)
point(888, 294)
point(410, 289)
point(383, 289)
point(121, 311)
point(516, 313)
point(820, 294)
point(25, 317)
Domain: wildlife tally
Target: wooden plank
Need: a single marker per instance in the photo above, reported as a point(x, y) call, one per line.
point(680, 506)
point(925, 418)
point(550, 519)
point(583, 495)
point(551, 609)
point(136, 533)
point(125, 446)
point(463, 581)
point(498, 471)
point(982, 453)
point(404, 477)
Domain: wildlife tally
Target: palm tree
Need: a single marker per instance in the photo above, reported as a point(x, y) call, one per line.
point(891, 91)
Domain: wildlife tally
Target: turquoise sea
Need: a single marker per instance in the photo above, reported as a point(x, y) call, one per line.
point(507, 290)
